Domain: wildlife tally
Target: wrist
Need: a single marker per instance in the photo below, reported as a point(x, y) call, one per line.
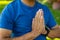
point(47, 32)
point(34, 34)
point(30, 35)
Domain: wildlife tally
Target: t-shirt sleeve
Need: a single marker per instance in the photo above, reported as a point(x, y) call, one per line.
point(6, 18)
point(51, 21)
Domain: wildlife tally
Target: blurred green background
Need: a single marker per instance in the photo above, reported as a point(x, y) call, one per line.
point(56, 13)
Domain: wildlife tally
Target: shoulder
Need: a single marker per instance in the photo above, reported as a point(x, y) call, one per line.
point(8, 10)
point(10, 7)
point(13, 3)
point(44, 8)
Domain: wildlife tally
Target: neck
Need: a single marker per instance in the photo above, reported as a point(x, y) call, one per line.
point(29, 2)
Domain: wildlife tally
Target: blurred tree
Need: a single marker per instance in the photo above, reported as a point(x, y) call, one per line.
point(55, 4)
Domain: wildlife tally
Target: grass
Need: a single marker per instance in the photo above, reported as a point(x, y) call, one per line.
point(1, 8)
point(4, 2)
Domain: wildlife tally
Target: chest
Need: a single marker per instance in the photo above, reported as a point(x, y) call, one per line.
point(23, 20)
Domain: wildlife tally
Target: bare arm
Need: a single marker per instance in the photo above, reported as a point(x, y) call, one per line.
point(28, 36)
point(55, 32)
point(37, 28)
point(5, 35)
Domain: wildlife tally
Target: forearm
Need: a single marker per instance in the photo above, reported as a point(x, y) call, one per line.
point(25, 37)
point(55, 33)
point(28, 36)
point(5, 38)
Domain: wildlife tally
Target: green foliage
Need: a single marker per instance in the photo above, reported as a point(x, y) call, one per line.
point(56, 13)
point(1, 8)
point(5, 0)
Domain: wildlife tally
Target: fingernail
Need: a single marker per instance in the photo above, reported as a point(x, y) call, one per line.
point(40, 10)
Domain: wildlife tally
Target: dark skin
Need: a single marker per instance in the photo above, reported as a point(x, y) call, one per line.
point(38, 27)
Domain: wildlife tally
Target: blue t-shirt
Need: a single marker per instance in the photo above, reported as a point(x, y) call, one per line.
point(18, 17)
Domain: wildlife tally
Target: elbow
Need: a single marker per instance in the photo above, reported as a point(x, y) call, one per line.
point(3, 37)
point(5, 34)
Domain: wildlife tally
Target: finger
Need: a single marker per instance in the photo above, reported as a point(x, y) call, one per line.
point(33, 22)
point(37, 13)
point(42, 19)
point(36, 24)
point(41, 16)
